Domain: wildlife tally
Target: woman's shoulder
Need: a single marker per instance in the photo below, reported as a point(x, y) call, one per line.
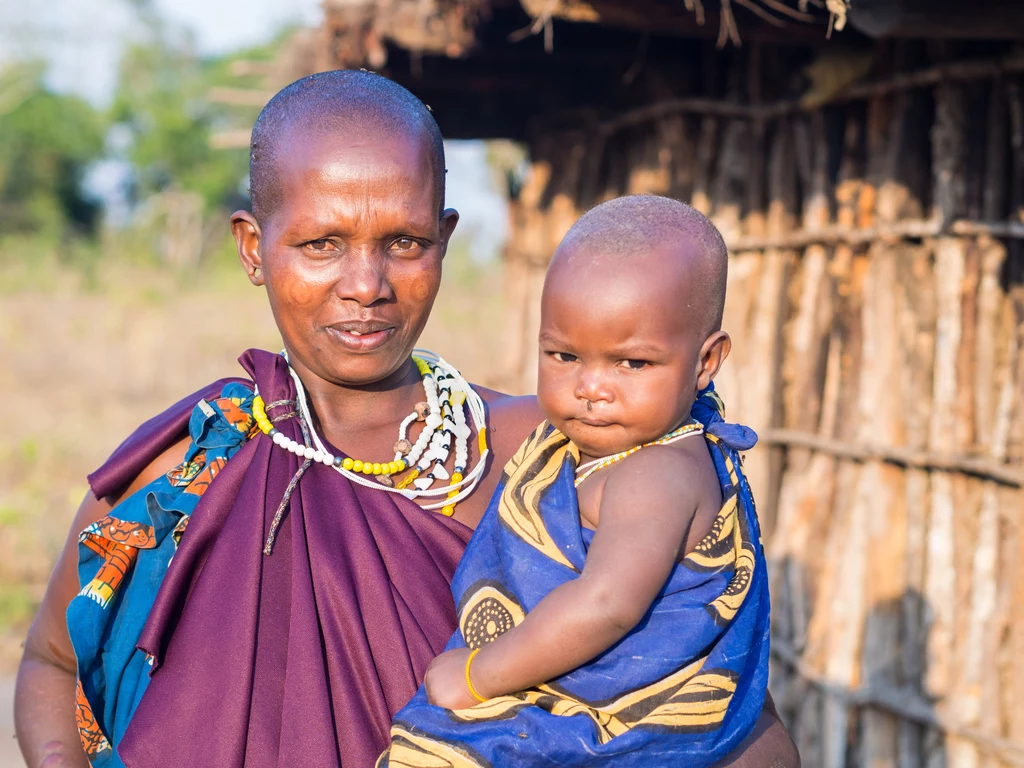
point(156, 445)
point(510, 420)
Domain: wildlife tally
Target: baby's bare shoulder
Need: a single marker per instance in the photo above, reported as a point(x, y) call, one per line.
point(673, 482)
point(657, 471)
point(676, 464)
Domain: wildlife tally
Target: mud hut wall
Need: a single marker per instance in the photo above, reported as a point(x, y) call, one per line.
point(875, 301)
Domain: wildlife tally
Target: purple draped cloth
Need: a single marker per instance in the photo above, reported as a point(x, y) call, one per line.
point(300, 658)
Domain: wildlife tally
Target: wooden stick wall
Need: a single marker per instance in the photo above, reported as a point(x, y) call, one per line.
point(878, 324)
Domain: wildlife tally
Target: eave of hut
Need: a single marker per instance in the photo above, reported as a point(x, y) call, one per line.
point(511, 68)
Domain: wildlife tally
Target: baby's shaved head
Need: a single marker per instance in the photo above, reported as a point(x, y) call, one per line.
point(628, 231)
point(338, 102)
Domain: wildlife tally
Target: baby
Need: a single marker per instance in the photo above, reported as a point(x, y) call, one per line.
point(613, 603)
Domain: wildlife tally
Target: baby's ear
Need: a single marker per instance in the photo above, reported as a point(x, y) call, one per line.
point(713, 352)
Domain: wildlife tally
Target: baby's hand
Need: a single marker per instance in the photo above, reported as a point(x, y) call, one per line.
point(446, 681)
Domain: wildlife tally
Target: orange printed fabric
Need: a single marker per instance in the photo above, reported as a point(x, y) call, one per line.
point(122, 561)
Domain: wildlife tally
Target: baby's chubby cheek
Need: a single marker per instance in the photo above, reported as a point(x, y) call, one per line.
point(555, 402)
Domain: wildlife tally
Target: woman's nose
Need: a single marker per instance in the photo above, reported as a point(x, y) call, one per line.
point(363, 278)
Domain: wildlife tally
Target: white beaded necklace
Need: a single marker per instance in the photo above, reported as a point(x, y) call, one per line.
point(448, 395)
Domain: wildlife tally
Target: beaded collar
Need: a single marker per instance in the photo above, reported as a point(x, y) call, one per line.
point(448, 397)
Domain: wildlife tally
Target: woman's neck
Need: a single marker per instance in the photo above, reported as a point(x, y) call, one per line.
point(341, 412)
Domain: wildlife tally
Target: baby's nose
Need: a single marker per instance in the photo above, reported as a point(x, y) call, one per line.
point(592, 387)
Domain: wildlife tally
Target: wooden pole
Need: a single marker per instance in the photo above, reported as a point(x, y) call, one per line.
point(726, 185)
point(1014, 393)
point(905, 229)
point(941, 576)
point(996, 472)
point(836, 627)
point(881, 495)
point(799, 523)
point(916, 329)
point(950, 72)
point(761, 399)
point(529, 236)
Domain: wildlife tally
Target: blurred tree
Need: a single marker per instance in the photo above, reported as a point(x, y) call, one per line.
point(46, 143)
point(161, 99)
point(163, 110)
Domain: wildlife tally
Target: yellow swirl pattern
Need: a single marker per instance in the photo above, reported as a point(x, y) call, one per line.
point(531, 471)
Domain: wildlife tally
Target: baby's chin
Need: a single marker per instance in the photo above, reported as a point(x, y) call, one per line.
point(599, 441)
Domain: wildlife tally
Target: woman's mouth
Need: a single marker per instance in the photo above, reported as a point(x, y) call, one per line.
point(361, 336)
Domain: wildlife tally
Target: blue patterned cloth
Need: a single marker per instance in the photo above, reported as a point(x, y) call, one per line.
point(684, 687)
point(122, 562)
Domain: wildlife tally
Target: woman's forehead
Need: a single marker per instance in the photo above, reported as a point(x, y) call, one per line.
point(357, 176)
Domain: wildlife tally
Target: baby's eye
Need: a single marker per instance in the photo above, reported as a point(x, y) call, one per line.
point(564, 357)
point(636, 365)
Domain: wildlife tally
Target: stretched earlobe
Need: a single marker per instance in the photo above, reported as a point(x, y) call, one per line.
point(247, 234)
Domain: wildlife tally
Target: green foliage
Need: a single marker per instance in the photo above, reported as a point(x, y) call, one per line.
point(160, 124)
point(161, 97)
point(46, 143)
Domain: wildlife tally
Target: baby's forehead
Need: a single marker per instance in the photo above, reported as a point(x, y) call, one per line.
point(655, 282)
point(654, 259)
point(666, 283)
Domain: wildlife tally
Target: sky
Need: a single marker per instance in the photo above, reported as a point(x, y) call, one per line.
point(82, 41)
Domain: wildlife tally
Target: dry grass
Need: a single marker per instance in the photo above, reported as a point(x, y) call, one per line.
point(86, 359)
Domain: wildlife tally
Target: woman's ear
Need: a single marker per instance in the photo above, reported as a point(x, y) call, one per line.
point(246, 231)
point(449, 218)
point(713, 352)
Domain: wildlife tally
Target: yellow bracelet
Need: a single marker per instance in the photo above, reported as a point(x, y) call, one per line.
point(469, 680)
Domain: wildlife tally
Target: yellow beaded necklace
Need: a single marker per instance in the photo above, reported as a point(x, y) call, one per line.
point(448, 397)
point(590, 467)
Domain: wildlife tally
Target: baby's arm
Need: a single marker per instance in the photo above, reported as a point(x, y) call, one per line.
point(646, 511)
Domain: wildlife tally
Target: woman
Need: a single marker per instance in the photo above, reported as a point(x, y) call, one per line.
point(307, 596)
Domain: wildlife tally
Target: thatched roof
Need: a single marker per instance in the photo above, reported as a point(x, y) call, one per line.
point(451, 27)
point(489, 68)
point(513, 68)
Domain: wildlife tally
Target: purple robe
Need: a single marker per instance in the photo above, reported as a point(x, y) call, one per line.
point(302, 657)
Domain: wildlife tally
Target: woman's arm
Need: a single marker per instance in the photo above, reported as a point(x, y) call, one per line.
point(44, 698)
point(768, 746)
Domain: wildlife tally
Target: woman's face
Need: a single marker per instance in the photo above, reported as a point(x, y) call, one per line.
point(351, 254)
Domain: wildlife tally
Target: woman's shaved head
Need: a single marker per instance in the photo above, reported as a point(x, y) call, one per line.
point(336, 102)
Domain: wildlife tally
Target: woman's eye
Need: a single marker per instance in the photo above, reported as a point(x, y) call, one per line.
point(636, 365)
point(564, 357)
point(405, 244)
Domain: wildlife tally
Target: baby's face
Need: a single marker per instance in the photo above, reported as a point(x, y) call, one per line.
point(619, 360)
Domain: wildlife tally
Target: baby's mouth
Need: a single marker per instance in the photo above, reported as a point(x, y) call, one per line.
point(592, 422)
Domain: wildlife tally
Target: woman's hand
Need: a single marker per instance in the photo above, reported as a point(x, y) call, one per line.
point(445, 681)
